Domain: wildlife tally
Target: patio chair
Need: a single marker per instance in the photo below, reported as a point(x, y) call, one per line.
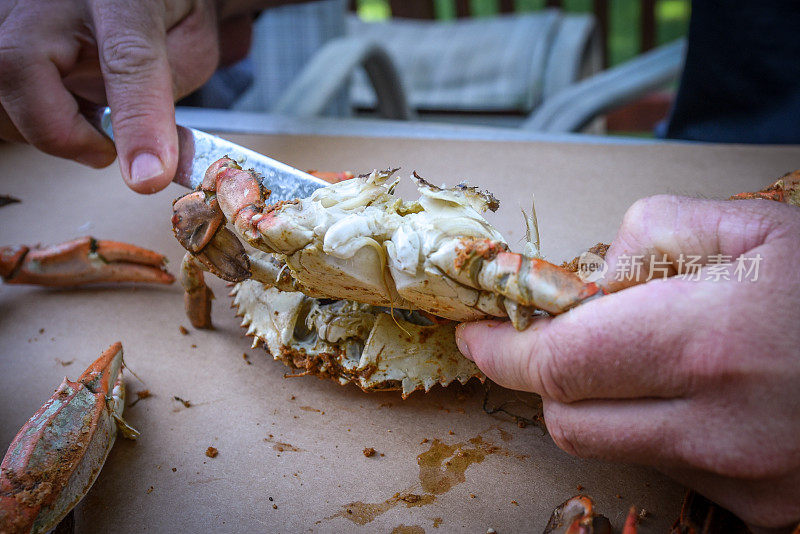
point(539, 71)
point(301, 65)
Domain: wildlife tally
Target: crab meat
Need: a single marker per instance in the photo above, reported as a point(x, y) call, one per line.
point(82, 261)
point(56, 456)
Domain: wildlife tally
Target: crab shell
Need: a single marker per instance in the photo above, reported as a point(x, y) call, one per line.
point(352, 342)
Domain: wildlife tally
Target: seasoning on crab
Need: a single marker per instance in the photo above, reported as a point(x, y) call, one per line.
point(57, 455)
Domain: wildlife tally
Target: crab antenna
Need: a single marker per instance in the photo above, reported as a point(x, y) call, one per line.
point(532, 248)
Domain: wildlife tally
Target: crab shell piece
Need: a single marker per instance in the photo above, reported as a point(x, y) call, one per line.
point(57, 455)
point(82, 261)
point(352, 342)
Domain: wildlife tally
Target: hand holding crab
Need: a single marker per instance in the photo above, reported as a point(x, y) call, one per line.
point(136, 56)
point(697, 378)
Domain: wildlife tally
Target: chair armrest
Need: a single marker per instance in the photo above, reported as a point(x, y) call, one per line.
point(572, 108)
point(329, 71)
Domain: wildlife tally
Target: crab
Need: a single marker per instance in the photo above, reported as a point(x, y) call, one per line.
point(386, 316)
point(56, 456)
point(355, 284)
point(358, 285)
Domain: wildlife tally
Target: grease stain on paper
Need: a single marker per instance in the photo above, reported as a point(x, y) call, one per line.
point(281, 446)
point(441, 467)
point(408, 529)
point(362, 513)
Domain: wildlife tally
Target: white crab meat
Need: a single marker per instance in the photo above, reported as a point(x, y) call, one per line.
point(359, 242)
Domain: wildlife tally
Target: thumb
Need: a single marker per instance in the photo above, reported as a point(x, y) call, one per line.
point(666, 235)
point(131, 40)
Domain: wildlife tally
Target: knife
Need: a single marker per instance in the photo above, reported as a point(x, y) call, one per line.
point(198, 150)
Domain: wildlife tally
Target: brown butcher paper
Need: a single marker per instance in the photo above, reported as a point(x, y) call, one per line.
point(291, 450)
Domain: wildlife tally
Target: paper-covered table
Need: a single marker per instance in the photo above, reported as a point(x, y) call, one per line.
point(291, 449)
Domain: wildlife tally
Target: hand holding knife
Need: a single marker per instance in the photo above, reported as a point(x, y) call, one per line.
point(197, 150)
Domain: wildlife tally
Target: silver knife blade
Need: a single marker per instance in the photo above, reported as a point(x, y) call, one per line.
point(198, 150)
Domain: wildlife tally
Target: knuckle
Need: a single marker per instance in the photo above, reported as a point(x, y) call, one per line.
point(556, 381)
point(53, 139)
point(563, 436)
point(128, 53)
point(640, 211)
point(132, 115)
point(13, 58)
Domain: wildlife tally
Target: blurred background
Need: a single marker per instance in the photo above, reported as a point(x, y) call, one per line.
point(550, 66)
point(634, 26)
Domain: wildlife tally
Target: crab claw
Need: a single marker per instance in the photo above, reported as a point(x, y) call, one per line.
point(577, 516)
point(56, 456)
point(82, 261)
point(199, 226)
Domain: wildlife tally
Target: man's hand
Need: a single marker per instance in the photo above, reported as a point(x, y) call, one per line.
point(700, 379)
point(136, 56)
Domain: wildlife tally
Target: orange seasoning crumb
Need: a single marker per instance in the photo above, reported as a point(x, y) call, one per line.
point(482, 248)
point(186, 403)
point(515, 503)
point(212, 452)
point(369, 452)
point(182, 329)
point(579, 487)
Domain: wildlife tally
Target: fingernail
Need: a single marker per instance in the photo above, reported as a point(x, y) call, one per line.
point(145, 167)
point(462, 344)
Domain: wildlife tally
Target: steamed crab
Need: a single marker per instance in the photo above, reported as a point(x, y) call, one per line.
point(357, 284)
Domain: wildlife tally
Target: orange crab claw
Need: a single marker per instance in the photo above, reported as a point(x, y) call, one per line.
point(82, 261)
point(56, 456)
point(577, 516)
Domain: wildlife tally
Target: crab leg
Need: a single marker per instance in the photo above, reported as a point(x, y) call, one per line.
point(82, 261)
point(57, 455)
point(785, 189)
point(527, 281)
point(197, 296)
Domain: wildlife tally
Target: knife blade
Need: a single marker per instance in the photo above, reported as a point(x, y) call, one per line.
point(197, 150)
